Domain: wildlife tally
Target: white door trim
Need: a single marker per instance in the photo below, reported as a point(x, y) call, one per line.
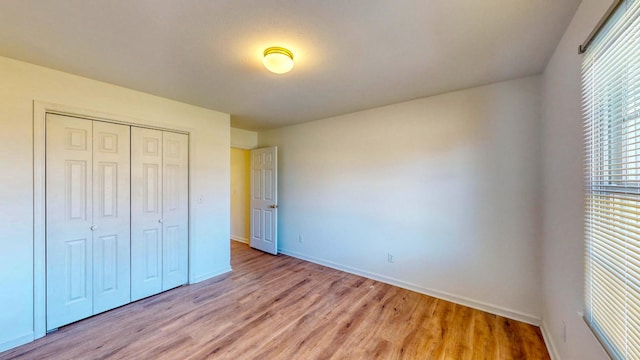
point(40, 110)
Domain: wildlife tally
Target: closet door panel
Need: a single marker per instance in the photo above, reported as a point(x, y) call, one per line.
point(69, 245)
point(175, 209)
point(111, 215)
point(146, 212)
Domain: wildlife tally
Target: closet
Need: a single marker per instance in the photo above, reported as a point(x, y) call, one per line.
point(116, 215)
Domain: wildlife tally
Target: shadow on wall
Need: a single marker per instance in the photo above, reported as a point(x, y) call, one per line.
point(446, 184)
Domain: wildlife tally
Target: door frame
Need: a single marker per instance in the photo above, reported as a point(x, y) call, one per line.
point(40, 111)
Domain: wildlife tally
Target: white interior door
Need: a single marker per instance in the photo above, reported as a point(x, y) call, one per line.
point(264, 199)
point(111, 216)
point(69, 247)
point(87, 218)
point(146, 212)
point(175, 211)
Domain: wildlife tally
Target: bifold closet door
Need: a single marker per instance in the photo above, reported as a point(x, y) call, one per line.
point(87, 214)
point(111, 216)
point(159, 218)
point(146, 212)
point(175, 210)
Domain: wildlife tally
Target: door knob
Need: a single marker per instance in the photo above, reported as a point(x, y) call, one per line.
point(93, 228)
point(160, 221)
point(273, 206)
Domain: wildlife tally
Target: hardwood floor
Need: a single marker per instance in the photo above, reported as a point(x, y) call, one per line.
point(284, 308)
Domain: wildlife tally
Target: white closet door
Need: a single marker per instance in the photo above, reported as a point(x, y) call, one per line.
point(175, 209)
point(69, 219)
point(146, 212)
point(111, 211)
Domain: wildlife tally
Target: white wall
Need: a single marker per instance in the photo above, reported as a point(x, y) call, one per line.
point(563, 161)
point(447, 184)
point(23, 83)
point(244, 139)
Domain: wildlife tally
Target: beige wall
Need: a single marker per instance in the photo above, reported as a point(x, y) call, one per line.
point(21, 84)
point(240, 194)
point(449, 185)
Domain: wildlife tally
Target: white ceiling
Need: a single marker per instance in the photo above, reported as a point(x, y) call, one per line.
point(349, 55)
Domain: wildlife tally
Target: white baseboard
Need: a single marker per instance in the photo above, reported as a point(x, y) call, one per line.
point(548, 341)
point(17, 341)
point(239, 239)
point(479, 305)
point(211, 274)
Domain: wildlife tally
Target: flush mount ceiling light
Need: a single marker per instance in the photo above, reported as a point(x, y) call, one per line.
point(278, 60)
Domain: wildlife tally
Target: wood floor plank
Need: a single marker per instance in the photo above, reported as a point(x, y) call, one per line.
point(284, 308)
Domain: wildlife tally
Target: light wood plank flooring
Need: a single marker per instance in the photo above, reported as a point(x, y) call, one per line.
point(284, 308)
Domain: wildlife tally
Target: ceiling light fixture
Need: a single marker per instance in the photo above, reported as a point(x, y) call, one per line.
point(278, 60)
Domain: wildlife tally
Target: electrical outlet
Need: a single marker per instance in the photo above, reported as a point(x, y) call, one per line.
point(390, 257)
point(300, 239)
point(564, 332)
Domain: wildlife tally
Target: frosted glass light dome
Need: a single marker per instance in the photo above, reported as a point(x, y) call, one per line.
point(278, 60)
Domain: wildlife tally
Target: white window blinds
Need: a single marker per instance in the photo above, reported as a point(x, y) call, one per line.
point(611, 100)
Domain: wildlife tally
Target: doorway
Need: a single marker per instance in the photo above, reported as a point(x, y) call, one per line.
point(240, 194)
point(254, 198)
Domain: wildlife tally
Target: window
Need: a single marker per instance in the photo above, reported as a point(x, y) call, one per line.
point(611, 99)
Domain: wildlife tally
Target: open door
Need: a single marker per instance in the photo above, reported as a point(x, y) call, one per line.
point(264, 199)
